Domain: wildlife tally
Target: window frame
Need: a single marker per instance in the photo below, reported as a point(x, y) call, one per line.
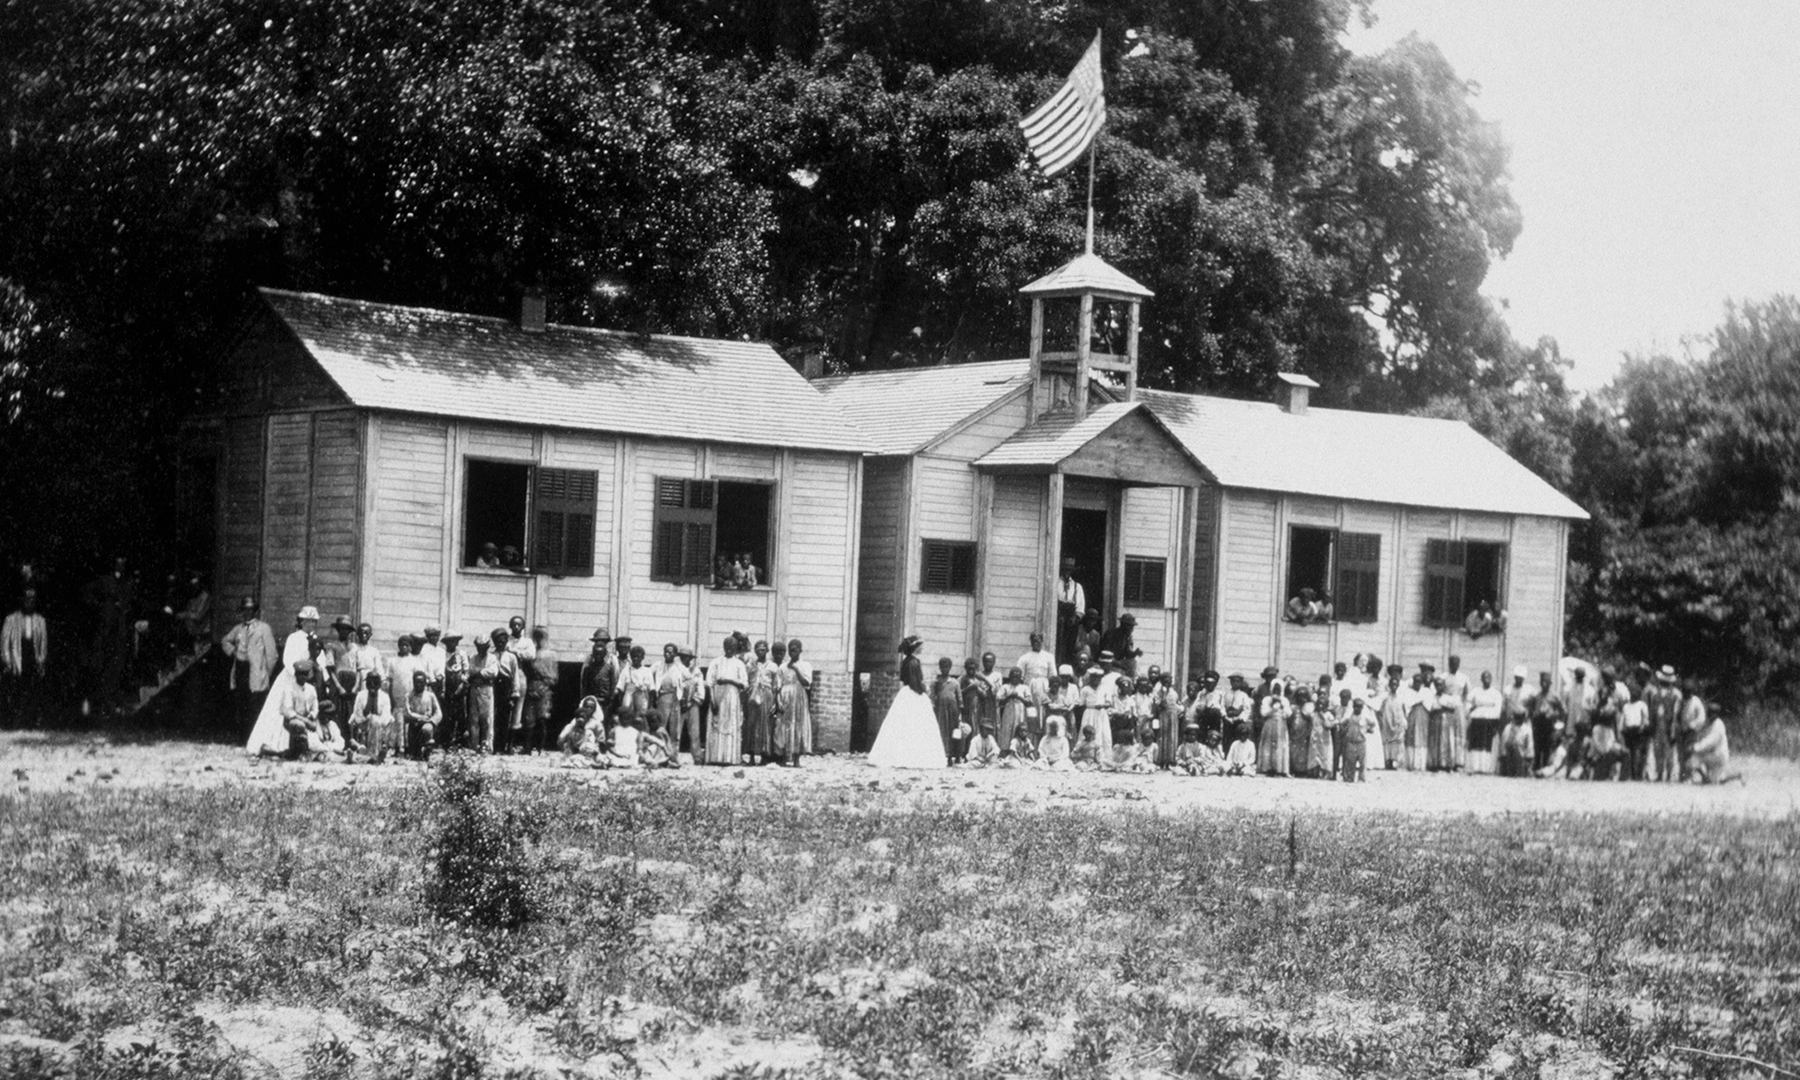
point(1366, 594)
point(584, 502)
point(953, 549)
point(1139, 597)
point(698, 520)
point(1447, 560)
point(765, 572)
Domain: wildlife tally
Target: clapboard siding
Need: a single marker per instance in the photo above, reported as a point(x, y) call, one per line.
point(1248, 602)
point(504, 443)
point(240, 537)
point(985, 432)
point(820, 534)
point(1533, 634)
point(336, 509)
point(1373, 638)
point(942, 620)
point(488, 599)
point(1149, 529)
point(946, 498)
point(728, 610)
point(288, 480)
point(880, 562)
point(576, 606)
point(659, 611)
point(1013, 575)
point(1414, 640)
point(410, 462)
point(744, 463)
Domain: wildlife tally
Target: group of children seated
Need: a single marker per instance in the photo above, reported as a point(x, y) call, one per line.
point(636, 739)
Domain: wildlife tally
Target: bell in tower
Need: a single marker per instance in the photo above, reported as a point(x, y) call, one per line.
point(1084, 318)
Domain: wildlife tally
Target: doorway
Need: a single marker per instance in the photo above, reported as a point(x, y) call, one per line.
point(1084, 540)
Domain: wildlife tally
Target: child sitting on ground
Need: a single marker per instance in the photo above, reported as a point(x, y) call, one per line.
point(1086, 754)
point(1187, 752)
point(1146, 760)
point(1053, 751)
point(1240, 760)
point(1019, 753)
point(984, 748)
point(623, 754)
point(582, 736)
point(653, 744)
point(1211, 762)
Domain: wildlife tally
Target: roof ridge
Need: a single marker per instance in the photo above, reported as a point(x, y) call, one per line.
point(499, 320)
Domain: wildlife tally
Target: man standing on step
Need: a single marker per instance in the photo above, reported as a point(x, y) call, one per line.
point(250, 645)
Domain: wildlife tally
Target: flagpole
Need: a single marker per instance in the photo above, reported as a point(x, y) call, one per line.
point(1090, 208)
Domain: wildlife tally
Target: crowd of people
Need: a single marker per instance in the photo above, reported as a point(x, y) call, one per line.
point(338, 697)
point(1100, 713)
point(1085, 706)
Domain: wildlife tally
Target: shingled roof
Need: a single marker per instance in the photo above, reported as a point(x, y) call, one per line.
point(419, 360)
point(907, 409)
point(1370, 457)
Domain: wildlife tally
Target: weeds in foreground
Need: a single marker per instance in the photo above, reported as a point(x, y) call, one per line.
point(892, 937)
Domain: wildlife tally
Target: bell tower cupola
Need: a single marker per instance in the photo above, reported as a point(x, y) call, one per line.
point(1084, 319)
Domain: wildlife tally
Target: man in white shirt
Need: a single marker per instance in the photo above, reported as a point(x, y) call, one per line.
point(1342, 680)
point(24, 644)
point(669, 673)
point(1071, 601)
point(1038, 666)
point(433, 658)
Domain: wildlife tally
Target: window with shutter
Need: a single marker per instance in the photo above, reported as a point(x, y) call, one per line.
point(563, 520)
point(1445, 569)
point(1145, 582)
point(683, 531)
point(1358, 596)
point(948, 566)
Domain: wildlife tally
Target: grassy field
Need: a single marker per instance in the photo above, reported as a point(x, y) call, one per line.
point(756, 932)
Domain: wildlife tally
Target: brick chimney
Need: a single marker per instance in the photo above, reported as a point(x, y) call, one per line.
point(531, 313)
point(1296, 389)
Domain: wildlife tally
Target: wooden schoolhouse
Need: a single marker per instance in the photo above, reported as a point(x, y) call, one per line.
point(1199, 515)
point(368, 455)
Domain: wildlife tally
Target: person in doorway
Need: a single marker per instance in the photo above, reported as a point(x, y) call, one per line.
point(1119, 642)
point(1087, 638)
point(1071, 605)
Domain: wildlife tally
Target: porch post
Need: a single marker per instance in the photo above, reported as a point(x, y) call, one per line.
point(1051, 563)
point(1184, 578)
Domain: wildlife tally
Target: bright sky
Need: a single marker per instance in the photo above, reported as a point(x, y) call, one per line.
point(1655, 157)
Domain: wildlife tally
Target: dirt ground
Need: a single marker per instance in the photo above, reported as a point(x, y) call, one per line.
point(33, 764)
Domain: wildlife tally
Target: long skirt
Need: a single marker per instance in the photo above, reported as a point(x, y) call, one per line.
point(1012, 718)
point(270, 733)
point(1479, 756)
point(1393, 733)
point(1418, 738)
point(909, 737)
point(757, 721)
point(1273, 755)
point(725, 732)
point(947, 713)
point(1299, 744)
point(1444, 746)
point(791, 734)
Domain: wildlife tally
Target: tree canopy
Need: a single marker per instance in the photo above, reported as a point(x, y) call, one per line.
point(831, 176)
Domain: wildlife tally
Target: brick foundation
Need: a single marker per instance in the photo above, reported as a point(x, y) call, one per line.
point(833, 698)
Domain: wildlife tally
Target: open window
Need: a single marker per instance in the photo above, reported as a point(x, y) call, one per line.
point(713, 532)
point(1145, 581)
point(1342, 571)
point(526, 518)
point(947, 566)
point(1460, 575)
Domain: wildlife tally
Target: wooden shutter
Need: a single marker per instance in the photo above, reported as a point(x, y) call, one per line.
point(563, 504)
point(1145, 581)
point(948, 567)
point(1358, 596)
point(684, 527)
point(1445, 566)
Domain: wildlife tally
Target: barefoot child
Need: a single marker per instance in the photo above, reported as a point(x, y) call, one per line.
point(581, 737)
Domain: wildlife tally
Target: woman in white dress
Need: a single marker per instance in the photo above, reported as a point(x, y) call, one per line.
point(269, 733)
point(908, 738)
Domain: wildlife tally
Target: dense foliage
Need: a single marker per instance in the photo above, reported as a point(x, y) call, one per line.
point(833, 177)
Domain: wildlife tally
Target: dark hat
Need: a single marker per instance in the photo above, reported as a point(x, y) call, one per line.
point(621, 639)
point(1665, 674)
point(685, 653)
point(1106, 656)
point(343, 621)
point(601, 634)
point(1395, 669)
point(1068, 563)
point(1270, 672)
point(911, 642)
point(1126, 618)
point(452, 638)
point(500, 634)
point(1210, 674)
point(540, 628)
point(248, 603)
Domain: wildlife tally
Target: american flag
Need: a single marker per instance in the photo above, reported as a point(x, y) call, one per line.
point(1061, 128)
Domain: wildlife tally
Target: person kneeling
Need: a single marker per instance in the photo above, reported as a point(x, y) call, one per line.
point(371, 721)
